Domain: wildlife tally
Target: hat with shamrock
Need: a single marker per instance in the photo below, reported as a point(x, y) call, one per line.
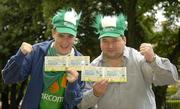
point(110, 26)
point(66, 21)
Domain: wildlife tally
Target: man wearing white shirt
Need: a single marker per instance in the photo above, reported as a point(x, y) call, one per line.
point(144, 68)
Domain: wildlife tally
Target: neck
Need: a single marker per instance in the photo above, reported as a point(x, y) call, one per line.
point(115, 62)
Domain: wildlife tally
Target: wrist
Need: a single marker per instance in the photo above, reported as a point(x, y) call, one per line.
point(154, 58)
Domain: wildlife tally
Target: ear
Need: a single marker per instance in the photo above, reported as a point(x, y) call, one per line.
point(124, 39)
point(53, 31)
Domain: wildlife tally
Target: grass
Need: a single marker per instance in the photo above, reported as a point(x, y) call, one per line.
point(173, 104)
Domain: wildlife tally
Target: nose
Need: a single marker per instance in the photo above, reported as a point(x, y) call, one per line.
point(67, 38)
point(110, 45)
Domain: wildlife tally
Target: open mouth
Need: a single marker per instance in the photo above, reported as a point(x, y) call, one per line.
point(64, 46)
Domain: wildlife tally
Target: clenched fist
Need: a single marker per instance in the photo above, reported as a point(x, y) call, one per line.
point(26, 48)
point(146, 49)
point(72, 75)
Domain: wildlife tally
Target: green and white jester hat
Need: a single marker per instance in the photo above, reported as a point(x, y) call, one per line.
point(110, 26)
point(66, 21)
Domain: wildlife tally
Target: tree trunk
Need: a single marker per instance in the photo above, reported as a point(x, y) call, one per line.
point(4, 97)
point(12, 101)
point(131, 13)
point(176, 50)
point(21, 91)
point(13, 91)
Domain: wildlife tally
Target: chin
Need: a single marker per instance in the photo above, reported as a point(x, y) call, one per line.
point(112, 56)
point(64, 53)
point(64, 50)
point(67, 51)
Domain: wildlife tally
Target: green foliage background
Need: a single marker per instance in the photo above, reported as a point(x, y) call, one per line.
point(30, 21)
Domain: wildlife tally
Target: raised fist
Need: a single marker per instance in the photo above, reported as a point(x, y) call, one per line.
point(26, 48)
point(146, 49)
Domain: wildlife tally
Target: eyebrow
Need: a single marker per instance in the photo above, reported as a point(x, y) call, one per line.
point(64, 34)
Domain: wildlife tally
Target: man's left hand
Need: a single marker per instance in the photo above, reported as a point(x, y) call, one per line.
point(146, 49)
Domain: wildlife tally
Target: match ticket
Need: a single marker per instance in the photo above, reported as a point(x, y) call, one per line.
point(60, 63)
point(112, 74)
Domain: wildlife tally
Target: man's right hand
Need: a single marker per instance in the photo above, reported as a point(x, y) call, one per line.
point(26, 48)
point(99, 88)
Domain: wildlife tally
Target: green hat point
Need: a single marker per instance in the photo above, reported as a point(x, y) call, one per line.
point(110, 26)
point(66, 21)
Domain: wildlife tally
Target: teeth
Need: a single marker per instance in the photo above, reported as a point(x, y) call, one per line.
point(64, 46)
